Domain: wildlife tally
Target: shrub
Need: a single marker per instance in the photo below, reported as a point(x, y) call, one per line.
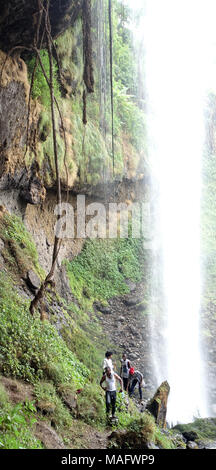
point(99, 272)
point(20, 250)
point(31, 349)
point(16, 425)
point(51, 404)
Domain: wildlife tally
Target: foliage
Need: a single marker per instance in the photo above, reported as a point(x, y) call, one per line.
point(31, 349)
point(99, 272)
point(83, 345)
point(204, 428)
point(47, 399)
point(140, 428)
point(16, 425)
point(92, 405)
point(40, 88)
point(20, 250)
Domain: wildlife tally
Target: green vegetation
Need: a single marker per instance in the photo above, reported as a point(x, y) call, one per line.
point(101, 269)
point(31, 349)
point(204, 428)
point(89, 147)
point(16, 424)
point(51, 405)
point(139, 428)
point(92, 405)
point(40, 88)
point(19, 251)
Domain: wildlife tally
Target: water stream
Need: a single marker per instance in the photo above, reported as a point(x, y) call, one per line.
point(179, 38)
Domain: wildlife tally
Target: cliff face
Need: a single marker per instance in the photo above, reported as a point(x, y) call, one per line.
point(18, 25)
point(88, 159)
point(19, 20)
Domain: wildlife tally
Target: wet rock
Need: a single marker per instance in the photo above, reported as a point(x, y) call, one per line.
point(190, 435)
point(19, 20)
point(35, 193)
point(70, 400)
point(151, 445)
point(1, 245)
point(129, 440)
point(103, 309)
point(192, 445)
point(158, 404)
point(206, 444)
point(132, 286)
point(33, 280)
point(48, 436)
point(130, 302)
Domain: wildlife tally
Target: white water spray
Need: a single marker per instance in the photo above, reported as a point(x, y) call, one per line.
point(180, 39)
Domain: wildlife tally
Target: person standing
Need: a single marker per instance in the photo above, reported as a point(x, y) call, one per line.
point(108, 361)
point(109, 378)
point(135, 377)
point(124, 372)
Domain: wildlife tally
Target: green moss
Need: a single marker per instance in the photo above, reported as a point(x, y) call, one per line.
point(101, 269)
point(20, 250)
point(48, 400)
point(40, 88)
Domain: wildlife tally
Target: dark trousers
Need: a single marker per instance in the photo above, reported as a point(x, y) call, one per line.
point(133, 385)
point(125, 382)
point(111, 401)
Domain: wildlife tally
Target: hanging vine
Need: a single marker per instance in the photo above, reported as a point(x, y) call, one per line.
point(57, 241)
point(43, 33)
point(111, 80)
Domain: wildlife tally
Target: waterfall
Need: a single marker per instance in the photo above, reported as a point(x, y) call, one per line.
point(179, 38)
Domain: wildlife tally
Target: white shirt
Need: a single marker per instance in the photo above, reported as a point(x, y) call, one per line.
point(110, 383)
point(107, 363)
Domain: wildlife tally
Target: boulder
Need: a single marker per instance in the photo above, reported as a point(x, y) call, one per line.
point(33, 280)
point(70, 400)
point(34, 193)
point(190, 435)
point(123, 439)
point(158, 404)
point(101, 308)
point(3, 211)
point(192, 445)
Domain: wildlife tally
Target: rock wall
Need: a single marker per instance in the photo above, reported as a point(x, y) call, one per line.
point(19, 20)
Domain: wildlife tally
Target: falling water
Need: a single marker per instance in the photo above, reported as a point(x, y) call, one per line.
point(179, 37)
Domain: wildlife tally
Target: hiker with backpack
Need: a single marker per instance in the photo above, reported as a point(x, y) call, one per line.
point(135, 377)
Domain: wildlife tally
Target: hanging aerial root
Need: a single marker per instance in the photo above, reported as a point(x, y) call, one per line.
point(88, 73)
point(84, 119)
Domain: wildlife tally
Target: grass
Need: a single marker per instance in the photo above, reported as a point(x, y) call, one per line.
point(20, 251)
point(100, 271)
point(92, 405)
point(16, 424)
point(140, 428)
point(31, 349)
point(205, 428)
point(51, 405)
